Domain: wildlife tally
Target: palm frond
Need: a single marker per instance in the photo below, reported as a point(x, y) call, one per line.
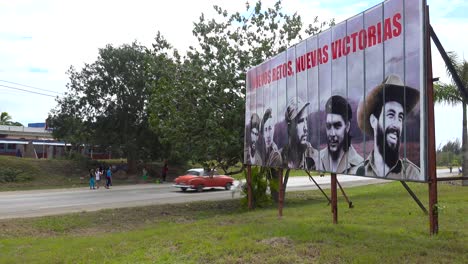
point(447, 94)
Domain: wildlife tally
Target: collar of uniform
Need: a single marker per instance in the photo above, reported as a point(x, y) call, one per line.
point(395, 169)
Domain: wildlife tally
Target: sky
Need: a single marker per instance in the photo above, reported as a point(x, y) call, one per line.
point(41, 39)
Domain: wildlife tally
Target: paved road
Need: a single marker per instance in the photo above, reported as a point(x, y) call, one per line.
point(59, 201)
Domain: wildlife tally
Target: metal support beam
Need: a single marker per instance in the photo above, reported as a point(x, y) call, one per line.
point(416, 199)
point(280, 193)
point(452, 179)
point(318, 186)
point(350, 204)
point(249, 186)
point(334, 198)
point(431, 147)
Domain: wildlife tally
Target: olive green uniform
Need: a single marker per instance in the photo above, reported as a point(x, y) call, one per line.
point(349, 160)
point(403, 170)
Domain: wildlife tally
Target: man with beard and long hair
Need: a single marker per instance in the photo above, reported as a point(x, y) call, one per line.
point(299, 153)
point(269, 153)
point(381, 115)
point(251, 148)
point(339, 156)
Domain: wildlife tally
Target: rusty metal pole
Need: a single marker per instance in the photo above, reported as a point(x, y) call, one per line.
point(334, 198)
point(280, 193)
point(249, 186)
point(431, 148)
point(350, 204)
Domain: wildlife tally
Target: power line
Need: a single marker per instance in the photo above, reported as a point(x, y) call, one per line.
point(26, 90)
point(45, 90)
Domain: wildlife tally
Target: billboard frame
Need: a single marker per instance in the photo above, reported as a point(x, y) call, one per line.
point(429, 131)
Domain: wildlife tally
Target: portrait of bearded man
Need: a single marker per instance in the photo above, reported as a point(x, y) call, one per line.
point(298, 153)
point(381, 115)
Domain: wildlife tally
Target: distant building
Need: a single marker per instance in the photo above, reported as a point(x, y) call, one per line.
point(36, 141)
point(33, 142)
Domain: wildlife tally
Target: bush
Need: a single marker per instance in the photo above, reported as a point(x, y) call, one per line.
point(13, 175)
point(259, 187)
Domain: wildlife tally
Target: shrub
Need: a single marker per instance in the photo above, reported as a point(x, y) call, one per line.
point(13, 175)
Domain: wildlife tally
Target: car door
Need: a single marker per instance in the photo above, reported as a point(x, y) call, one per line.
point(208, 180)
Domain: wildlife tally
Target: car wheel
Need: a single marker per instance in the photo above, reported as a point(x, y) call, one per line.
point(228, 186)
point(183, 189)
point(200, 188)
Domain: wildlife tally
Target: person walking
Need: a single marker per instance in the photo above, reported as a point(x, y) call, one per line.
point(98, 177)
point(164, 171)
point(91, 180)
point(108, 177)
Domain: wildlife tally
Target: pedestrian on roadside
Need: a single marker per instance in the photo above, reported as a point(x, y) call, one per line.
point(91, 179)
point(98, 177)
point(145, 175)
point(164, 171)
point(108, 177)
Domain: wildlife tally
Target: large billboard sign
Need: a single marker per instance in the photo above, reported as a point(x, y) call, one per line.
point(348, 100)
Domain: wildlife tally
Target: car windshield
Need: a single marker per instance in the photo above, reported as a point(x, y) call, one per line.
point(191, 172)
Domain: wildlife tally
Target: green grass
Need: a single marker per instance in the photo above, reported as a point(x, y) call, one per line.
point(386, 226)
point(61, 173)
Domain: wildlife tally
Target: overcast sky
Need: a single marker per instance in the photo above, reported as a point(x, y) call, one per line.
point(41, 39)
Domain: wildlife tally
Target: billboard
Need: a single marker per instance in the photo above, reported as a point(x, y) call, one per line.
point(349, 100)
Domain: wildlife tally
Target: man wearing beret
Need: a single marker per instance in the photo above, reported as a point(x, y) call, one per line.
point(381, 116)
point(269, 156)
point(299, 153)
point(339, 156)
point(251, 148)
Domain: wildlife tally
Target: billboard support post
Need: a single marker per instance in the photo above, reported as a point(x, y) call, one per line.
point(334, 198)
point(350, 204)
point(431, 164)
point(416, 199)
point(280, 193)
point(318, 186)
point(249, 186)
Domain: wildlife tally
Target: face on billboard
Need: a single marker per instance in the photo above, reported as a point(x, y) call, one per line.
point(302, 131)
point(253, 137)
point(337, 131)
point(268, 132)
point(388, 129)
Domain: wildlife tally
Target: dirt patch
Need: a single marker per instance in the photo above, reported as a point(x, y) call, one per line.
point(309, 251)
point(277, 242)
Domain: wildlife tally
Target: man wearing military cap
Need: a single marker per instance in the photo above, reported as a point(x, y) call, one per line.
point(268, 153)
point(339, 156)
point(251, 147)
point(381, 116)
point(299, 153)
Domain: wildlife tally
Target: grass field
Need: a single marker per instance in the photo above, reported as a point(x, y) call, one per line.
point(386, 226)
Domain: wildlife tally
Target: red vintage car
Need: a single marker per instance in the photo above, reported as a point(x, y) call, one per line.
point(198, 179)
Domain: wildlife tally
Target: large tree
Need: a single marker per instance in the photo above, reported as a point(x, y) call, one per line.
point(106, 103)
point(449, 93)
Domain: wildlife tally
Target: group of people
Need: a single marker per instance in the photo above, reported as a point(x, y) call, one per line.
point(380, 116)
point(95, 176)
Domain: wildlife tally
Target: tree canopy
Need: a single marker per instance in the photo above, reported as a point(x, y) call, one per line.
point(5, 119)
point(155, 103)
point(106, 103)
